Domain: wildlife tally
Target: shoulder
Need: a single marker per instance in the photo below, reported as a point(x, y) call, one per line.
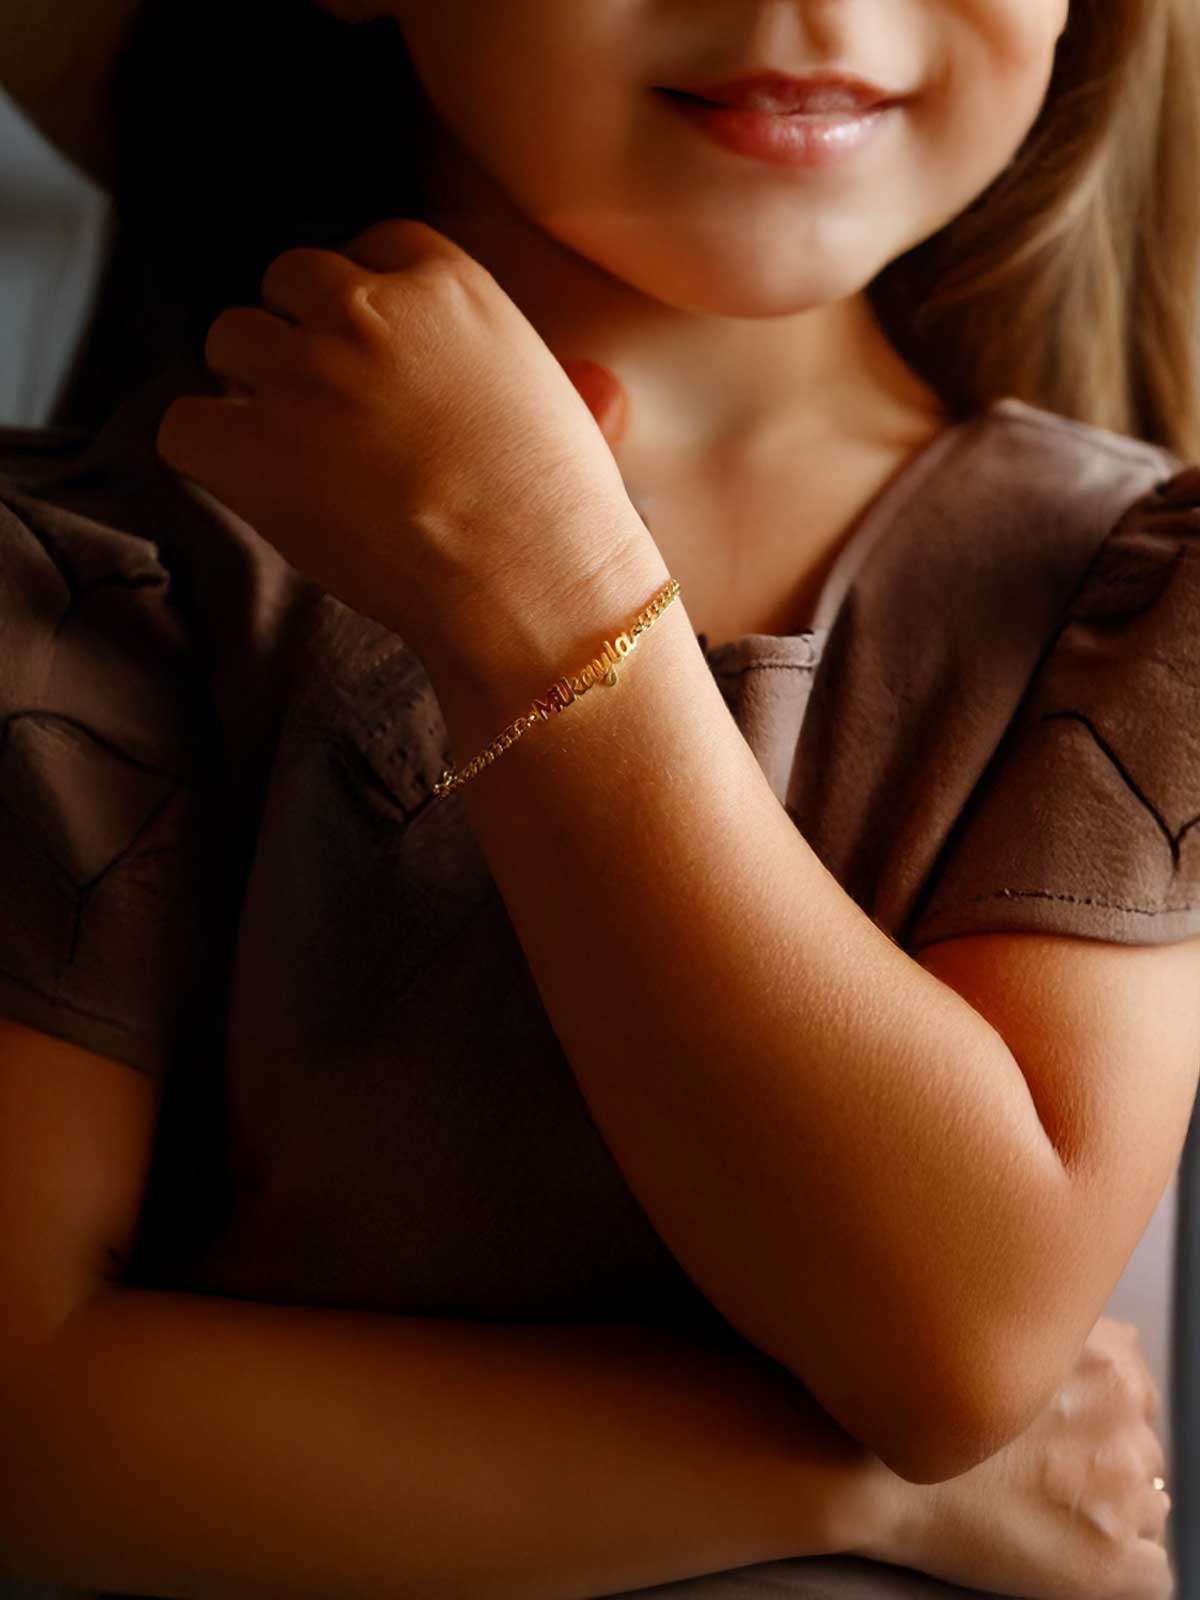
point(98, 751)
point(1049, 432)
point(1065, 502)
point(1145, 559)
point(137, 614)
point(140, 553)
point(108, 716)
point(1031, 465)
point(86, 600)
point(102, 715)
point(1085, 821)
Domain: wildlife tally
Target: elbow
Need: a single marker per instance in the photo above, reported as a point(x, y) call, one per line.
point(943, 1427)
point(941, 1402)
point(936, 1450)
point(948, 1448)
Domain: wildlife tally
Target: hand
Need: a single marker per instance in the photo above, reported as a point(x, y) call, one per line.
point(403, 435)
point(1068, 1510)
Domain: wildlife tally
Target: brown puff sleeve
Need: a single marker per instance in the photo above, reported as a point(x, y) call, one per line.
point(1087, 821)
point(94, 767)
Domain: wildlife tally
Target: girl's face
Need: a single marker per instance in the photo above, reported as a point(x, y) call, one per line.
point(556, 100)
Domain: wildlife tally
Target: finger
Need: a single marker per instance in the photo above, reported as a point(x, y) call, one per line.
point(1149, 1572)
point(605, 396)
point(303, 283)
point(1153, 1512)
point(400, 242)
point(1153, 1399)
point(205, 438)
point(247, 345)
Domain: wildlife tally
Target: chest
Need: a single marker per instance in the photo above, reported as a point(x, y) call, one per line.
point(754, 546)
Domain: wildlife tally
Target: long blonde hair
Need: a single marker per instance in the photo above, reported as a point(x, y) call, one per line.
point(1072, 282)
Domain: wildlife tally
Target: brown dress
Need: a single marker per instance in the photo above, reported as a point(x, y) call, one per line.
point(223, 865)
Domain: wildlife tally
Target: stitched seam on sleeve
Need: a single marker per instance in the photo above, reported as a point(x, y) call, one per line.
point(138, 1032)
point(730, 671)
point(1046, 894)
point(779, 666)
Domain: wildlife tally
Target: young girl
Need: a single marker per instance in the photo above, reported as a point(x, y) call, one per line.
point(700, 1135)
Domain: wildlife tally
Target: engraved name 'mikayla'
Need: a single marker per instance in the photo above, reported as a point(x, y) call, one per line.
point(601, 669)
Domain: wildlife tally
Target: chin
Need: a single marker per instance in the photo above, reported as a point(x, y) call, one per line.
point(711, 279)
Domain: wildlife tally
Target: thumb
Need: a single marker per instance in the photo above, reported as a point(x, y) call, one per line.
point(605, 396)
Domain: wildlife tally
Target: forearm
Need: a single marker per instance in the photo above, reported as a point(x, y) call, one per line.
point(792, 1098)
point(197, 1446)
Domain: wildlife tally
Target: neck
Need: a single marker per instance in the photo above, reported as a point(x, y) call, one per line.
point(694, 382)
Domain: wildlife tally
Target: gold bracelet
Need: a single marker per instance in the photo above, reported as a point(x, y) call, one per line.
point(601, 669)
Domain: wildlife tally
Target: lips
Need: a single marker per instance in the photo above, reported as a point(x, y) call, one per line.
point(817, 94)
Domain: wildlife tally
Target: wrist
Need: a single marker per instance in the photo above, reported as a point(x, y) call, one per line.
point(841, 1498)
point(496, 650)
point(888, 1517)
point(531, 620)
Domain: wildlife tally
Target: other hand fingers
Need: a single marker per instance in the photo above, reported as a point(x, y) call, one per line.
point(1153, 1511)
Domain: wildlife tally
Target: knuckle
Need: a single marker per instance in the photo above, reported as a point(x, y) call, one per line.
point(405, 235)
point(1128, 1459)
point(1129, 1374)
point(1117, 1471)
point(227, 330)
point(1109, 1364)
point(1107, 1575)
point(1116, 1338)
point(1102, 1342)
point(286, 267)
point(363, 308)
point(1141, 1572)
point(174, 420)
point(178, 428)
point(1133, 1379)
point(459, 279)
point(1140, 1385)
point(367, 311)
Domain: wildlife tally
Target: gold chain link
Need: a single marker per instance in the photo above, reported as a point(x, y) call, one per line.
point(601, 669)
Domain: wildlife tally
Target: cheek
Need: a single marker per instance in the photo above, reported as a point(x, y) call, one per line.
point(1008, 39)
point(533, 100)
point(994, 68)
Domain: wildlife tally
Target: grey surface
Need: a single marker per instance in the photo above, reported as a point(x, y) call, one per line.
point(55, 227)
point(1144, 1297)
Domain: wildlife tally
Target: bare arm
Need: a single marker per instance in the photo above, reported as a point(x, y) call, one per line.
point(198, 1446)
point(193, 1445)
point(808, 1087)
point(57, 61)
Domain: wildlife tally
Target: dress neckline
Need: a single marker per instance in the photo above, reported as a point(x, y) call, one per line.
point(878, 515)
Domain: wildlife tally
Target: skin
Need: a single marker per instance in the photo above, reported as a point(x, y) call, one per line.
point(721, 300)
point(624, 413)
